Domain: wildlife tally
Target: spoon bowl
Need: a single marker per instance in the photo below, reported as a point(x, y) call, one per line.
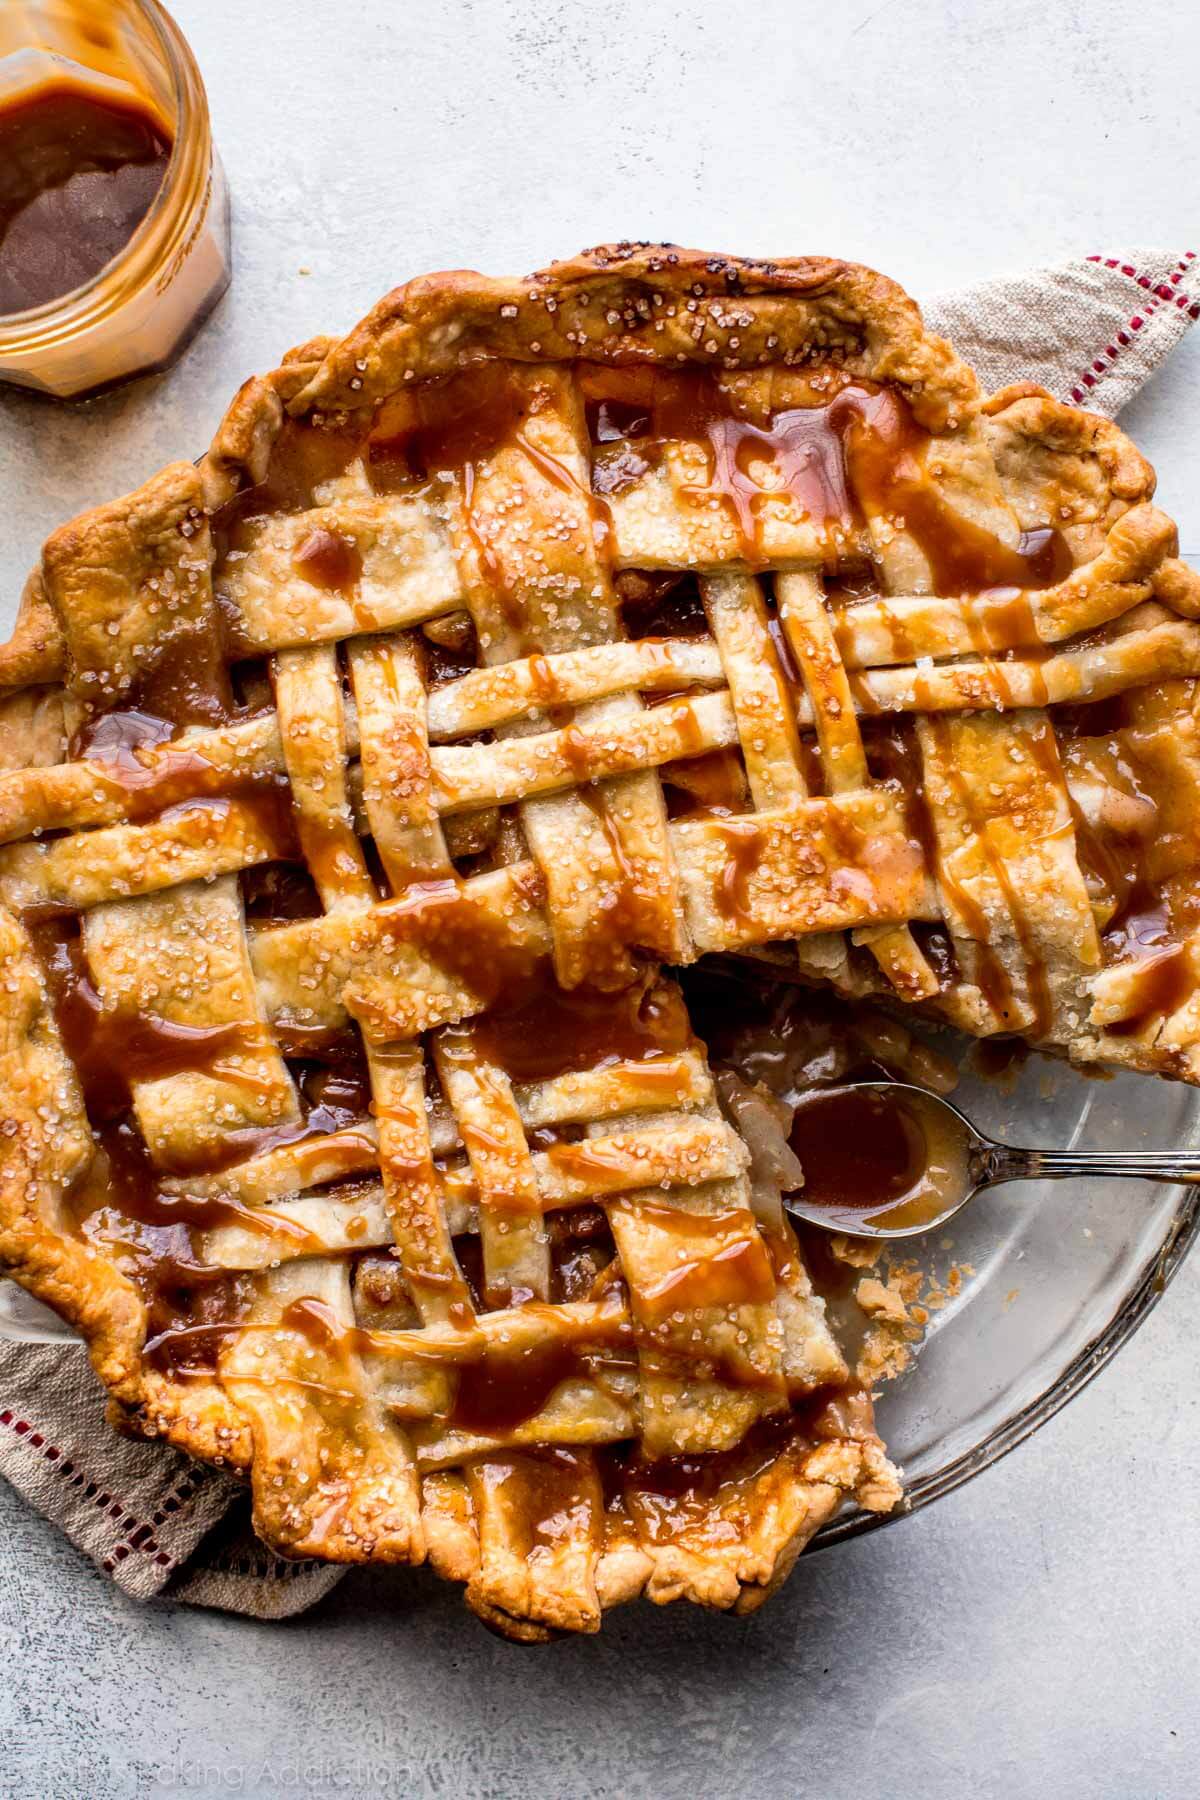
point(886, 1159)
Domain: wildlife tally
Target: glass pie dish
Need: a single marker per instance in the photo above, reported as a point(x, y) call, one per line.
point(1036, 1286)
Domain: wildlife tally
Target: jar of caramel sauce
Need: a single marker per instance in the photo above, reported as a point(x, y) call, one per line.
point(114, 215)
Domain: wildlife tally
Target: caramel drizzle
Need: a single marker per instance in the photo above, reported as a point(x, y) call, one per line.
point(115, 1048)
point(745, 843)
point(717, 1260)
point(555, 1031)
point(993, 977)
point(500, 1383)
point(329, 560)
point(859, 456)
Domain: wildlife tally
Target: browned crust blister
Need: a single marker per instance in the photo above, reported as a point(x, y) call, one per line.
point(132, 581)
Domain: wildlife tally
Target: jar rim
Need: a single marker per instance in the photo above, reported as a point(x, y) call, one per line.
point(185, 182)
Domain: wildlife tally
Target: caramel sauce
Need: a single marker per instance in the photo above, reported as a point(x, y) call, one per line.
point(628, 910)
point(500, 1385)
point(617, 473)
point(858, 1151)
point(680, 1498)
point(329, 849)
point(188, 683)
point(511, 605)
point(267, 808)
point(903, 647)
point(181, 1343)
point(1142, 933)
point(550, 1495)
point(745, 843)
point(801, 450)
point(664, 406)
point(454, 425)
point(450, 430)
point(885, 450)
point(1110, 866)
point(1141, 930)
point(304, 458)
point(848, 842)
point(890, 1158)
point(114, 1048)
point(717, 1259)
point(999, 1059)
point(113, 737)
point(865, 703)
point(861, 454)
point(115, 744)
point(543, 680)
point(469, 946)
point(316, 1320)
point(78, 173)
point(937, 947)
point(505, 1386)
point(557, 1031)
point(580, 754)
point(588, 1160)
point(1007, 620)
point(1164, 985)
point(334, 1096)
point(329, 560)
point(990, 974)
point(1111, 861)
point(557, 473)
point(894, 756)
point(192, 1307)
point(442, 427)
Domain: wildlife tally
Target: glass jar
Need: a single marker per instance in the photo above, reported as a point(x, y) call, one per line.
point(140, 310)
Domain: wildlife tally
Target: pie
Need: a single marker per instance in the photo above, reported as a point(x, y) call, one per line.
point(362, 781)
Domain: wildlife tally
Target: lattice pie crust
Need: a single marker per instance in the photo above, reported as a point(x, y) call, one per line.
point(359, 779)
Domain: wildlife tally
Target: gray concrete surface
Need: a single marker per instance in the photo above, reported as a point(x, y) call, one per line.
point(1032, 1636)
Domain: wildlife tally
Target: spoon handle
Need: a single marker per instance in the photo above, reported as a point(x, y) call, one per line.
point(1006, 1162)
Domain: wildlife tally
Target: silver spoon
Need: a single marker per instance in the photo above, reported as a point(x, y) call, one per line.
point(870, 1125)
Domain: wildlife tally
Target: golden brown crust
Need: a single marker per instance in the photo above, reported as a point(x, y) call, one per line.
point(648, 303)
point(44, 1147)
point(35, 651)
point(241, 448)
point(340, 1415)
point(129, 579)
